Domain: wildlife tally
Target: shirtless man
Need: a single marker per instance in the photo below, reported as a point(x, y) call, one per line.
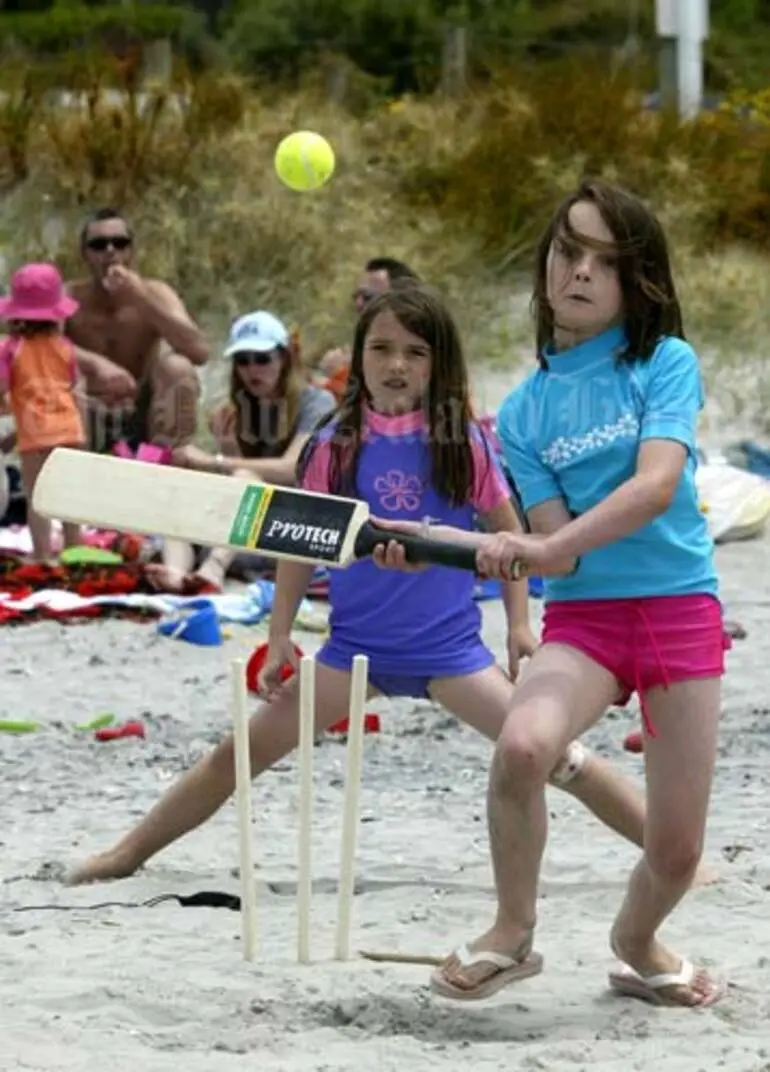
point(137, 345)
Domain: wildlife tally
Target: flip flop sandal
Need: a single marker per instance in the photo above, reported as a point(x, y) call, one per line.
point(649, 988)
point(509, 970)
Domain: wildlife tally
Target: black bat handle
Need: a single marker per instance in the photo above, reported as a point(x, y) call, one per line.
point(417, 548)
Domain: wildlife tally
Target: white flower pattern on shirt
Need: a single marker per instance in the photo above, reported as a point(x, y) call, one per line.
point(566, 448)
point(399, 491)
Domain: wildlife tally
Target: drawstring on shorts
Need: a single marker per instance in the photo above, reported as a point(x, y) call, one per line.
point(649, 728)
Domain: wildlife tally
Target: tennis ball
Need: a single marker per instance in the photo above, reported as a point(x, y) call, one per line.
point(304, 160)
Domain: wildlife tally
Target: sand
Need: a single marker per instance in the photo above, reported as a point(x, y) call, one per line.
point(165, 988)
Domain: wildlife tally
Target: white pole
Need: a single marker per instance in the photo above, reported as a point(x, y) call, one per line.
point(243, 806)
point(305, 837)
point(354, 755)
point(683, 24)
point(690, 58)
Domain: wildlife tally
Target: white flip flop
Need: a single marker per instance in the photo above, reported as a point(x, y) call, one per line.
point(649, 988)
point(510, 969)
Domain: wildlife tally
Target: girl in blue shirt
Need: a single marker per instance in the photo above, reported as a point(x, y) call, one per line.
point(600, 441)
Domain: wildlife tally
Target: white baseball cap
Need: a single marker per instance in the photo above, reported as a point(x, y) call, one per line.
point(257, 332)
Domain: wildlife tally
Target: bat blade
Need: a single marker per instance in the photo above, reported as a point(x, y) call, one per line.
point(202, 508)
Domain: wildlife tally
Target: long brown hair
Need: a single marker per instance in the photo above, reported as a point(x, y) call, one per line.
point(246, 407)
point(650, 303)
point(421, 311)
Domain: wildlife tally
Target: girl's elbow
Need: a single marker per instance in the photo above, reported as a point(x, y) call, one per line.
point(656, 492)
point(662, 497)
point(287, 476)
point(564, 567)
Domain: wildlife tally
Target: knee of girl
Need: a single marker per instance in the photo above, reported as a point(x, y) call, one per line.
point(523, 763)
point(674, 858)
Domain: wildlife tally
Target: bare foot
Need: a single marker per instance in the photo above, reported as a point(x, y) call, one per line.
point(101, 868)
point(165, 578)
point(177, 582)
point(213, 571)
point(657, 975)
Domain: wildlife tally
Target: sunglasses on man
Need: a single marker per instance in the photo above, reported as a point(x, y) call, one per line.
point(100, 244)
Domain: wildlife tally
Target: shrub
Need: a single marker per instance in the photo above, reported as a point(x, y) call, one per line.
point(517, 148)
point(460, 189)
point(75, 25)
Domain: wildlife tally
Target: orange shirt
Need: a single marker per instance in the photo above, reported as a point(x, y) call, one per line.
point(40, 372)
point(337, 383)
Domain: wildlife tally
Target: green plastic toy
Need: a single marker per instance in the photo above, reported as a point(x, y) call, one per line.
point(89, 556)
point(9, 725)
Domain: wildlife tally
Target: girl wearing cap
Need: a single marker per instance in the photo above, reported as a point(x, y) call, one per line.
point(39, 375)
point(260, 430)
point(272, 408)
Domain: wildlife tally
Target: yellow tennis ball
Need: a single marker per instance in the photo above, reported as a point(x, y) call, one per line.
point(304, 160)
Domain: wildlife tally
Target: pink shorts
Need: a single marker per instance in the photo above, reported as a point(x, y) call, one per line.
point(645, 643)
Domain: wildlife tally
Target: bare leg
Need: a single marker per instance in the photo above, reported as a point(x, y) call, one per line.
point(201, 791)
point(73, 534)
point(170, 577)
point(562, 692)
point(39, 527)
point(178, 556)
point(483, 701)
point(172, 420)
point(178, 559)
point(618, 804)
point(679, 765)
point(5, 485)
point(175, 394)
point(214, 568)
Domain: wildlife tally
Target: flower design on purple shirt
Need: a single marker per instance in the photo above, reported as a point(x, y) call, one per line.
point(397, 491)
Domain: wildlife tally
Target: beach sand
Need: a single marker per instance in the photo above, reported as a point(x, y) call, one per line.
point(166, 988)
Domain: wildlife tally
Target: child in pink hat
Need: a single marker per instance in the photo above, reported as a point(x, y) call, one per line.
point(39, 374)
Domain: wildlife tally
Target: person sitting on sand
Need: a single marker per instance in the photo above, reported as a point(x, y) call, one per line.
point(380, 273)
point(406, 349)
point(260, 430)
point(137, 345)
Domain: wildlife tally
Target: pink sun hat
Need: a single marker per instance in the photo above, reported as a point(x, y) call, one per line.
point(37, 293)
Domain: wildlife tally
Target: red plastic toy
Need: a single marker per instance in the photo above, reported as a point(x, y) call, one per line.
point(114, 733)
point(634, 742)
point(257, 662)
point(254, 669)
point(371, 724)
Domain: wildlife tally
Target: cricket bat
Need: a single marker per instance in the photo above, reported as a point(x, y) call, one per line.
point(221, 511)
